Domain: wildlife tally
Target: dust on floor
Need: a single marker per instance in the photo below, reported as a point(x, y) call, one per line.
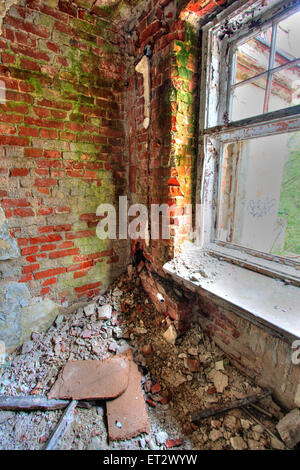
point(177, 381)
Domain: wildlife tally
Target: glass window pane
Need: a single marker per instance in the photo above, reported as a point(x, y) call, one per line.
point(252, 57)
point(248, 99)
point(285, 88)
point(288, 40)
point(260, 194)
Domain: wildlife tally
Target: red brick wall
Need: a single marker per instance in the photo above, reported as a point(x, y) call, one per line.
point(62, 144)
point(162, 157)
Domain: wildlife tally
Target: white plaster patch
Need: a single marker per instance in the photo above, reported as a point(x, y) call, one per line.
point(143, 67)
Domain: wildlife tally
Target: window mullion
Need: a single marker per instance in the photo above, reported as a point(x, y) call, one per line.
point(271, 66)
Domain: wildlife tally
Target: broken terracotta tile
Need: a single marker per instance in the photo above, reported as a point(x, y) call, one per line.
point(156, 388)
point(192, 364)
point(147, 350)
point(92, 379)
point(151, 402)
point(174, 443)
point(126, 415)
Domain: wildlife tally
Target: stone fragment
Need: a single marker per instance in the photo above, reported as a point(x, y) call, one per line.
point(161, 437)
point(214, 435)
point(277, 444)
point(172, 378)
point(231, 423)
point(246, 424)
point(57, 349)
point(193, 351)
point(129, 409)
point(86, 333)
point(118, 332)
point(258, 428)
point(289, 428)
point(104, 312)
point(89, 309)
point(147, 350)
point(170, 334)
point(255, 445)
point(152, 445)
point(219, 365)
point(220, 380)
point(182, 355)
point(112, 347)
point(140, 330)
point(130, 271)
point(92, 379)
point(238, 443)
point(59, 320)
point(96, 349)
point(27, 347)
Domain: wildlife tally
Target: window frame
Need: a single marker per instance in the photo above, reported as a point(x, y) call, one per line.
point(215, 130)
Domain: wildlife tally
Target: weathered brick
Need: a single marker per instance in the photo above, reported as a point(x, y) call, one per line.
point(31, 268)
point(30, 250)
point(24, 212)
point(63, 253)
point(49, 273)
point(45, 182)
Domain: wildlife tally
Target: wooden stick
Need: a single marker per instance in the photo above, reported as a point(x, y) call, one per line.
point(62, 427)
point(31, 403)
point(262, 424)
point(265, 412)
point(201, 414)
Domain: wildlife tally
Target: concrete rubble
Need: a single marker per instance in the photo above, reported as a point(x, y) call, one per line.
point(168, 381)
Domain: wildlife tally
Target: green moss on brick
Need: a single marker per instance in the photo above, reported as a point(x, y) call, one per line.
point(34, 81)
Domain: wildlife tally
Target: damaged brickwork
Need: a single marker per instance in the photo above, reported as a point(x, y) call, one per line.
point(62, 148)
point(163, 160)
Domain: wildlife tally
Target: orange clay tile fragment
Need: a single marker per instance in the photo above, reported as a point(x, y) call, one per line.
point(127, 415)
point(83, 380)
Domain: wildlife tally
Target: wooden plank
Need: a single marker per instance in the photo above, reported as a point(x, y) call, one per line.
point(201, 414)
point(62, 427)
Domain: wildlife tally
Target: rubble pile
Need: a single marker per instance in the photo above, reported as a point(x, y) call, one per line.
point(180, 375)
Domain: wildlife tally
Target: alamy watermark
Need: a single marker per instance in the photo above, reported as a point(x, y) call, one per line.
point(296, 353)
point(136, 222)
